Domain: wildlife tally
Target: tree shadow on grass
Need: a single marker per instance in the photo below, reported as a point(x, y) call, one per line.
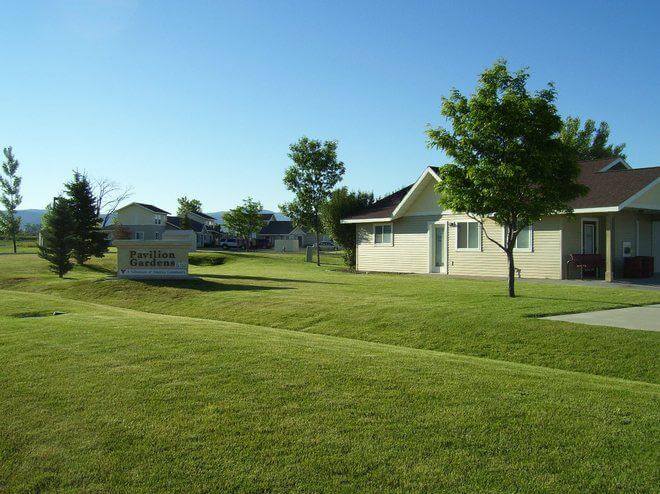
point(265, 278)
point(98, 269)
point(202, 285)
point(576, 310)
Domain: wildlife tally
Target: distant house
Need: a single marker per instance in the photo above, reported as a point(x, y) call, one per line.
point(143, 221)
point(285, 230)
point(148, 222)
point(202, 224)
point(408, 231)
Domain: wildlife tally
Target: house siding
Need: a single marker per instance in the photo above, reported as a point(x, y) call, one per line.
point(543, 262)
point(409, 252)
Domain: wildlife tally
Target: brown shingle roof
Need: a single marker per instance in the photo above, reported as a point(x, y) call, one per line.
point(382, 208)
point(609, 188)
point(612, 187)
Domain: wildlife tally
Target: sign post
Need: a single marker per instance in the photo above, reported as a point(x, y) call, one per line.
point(155, 259)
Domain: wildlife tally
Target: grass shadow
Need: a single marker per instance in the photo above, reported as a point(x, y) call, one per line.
point(202, 285)
point(98, 269)
point(265, 278)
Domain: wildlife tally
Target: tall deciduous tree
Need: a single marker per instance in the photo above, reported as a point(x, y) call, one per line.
point(590, 142)
point(187, 206)
point(57, 236)
point(10, 186)
point(312, 176)
point(88, 238)
point(343, 203)
point(510, 164)
point(109, 196)
point(244, 220)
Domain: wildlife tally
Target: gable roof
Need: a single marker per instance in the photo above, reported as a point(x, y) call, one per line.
point(612, 187)
point(203, 215)
point(150, 207)
point(611, 183)
point(384, 207)
point(195, 226)
point(277, 228)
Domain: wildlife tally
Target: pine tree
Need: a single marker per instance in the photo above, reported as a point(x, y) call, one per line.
point(10, 186)
point(89, 240)
point(57, 237)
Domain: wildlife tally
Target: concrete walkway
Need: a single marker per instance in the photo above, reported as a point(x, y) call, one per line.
point(646, 318)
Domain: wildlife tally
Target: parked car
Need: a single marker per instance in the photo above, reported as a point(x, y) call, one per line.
point(229, 243)
point(326, 245)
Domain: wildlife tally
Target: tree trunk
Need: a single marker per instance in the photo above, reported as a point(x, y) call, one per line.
point(512, 274)
point(14, 241)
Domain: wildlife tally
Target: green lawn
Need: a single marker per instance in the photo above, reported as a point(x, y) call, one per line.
point(270, 374)
point(23, 246)
point(452, 315)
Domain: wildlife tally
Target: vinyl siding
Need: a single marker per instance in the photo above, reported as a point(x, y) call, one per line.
point(137, 215)
point(409, 252)
point(543, 262)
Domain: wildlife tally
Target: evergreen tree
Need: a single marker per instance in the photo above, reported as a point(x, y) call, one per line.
point(10, 186)
point(89, 240)
point(57, 239)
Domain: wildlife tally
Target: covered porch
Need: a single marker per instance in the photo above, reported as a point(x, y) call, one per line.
point(612, 245)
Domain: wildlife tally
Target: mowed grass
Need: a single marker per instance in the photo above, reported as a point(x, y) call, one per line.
point(103, 399)
point(23, 246)
point(471, 317)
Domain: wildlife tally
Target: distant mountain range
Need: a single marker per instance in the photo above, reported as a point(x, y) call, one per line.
point(31, 216)
point(34, 215)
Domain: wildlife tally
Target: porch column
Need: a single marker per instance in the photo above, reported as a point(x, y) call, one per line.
point(609, 247)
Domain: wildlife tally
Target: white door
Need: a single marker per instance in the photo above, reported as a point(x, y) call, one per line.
point(656, 246)
point(439, 249)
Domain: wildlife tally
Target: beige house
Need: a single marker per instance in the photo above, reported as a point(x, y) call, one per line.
point(408, 232)
point(148, 222)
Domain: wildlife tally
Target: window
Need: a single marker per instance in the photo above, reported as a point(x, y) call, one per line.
point(157, 235)
point(383, 234)
point(139, 235)
point(468, 235)
point(524, 240)
point(158, 219)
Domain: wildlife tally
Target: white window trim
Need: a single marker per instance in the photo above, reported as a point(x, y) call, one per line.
point(531, 240)
point(468, 249)
point(384, 244)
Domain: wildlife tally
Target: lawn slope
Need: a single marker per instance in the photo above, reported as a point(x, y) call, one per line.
point(446, 314)
point(107, 399)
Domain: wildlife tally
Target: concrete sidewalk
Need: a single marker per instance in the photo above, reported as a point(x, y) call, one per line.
point(646, 318)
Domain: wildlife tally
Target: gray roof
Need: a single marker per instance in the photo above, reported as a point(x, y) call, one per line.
point(203, 215)
point(153, 208)
point(277, 228)
point(195, 226)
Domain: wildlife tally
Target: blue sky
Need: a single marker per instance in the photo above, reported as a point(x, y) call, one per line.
point(203, 98)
